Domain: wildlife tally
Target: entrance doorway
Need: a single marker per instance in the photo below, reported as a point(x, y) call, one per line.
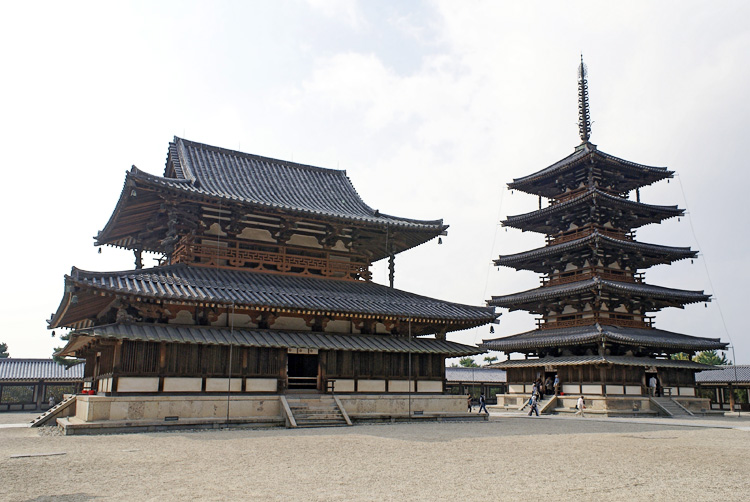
point(302, 371)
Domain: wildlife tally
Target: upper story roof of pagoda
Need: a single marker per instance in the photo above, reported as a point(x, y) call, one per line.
point(622, 213)
point(205, 173)
point(93, 291)
point(640, 255)
point(568, 173)
point(577, 335)
point(653, 297)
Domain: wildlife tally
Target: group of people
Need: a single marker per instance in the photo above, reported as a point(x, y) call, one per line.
point(549, 386)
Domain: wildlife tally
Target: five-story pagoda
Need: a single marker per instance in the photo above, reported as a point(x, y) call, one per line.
point(595, 330)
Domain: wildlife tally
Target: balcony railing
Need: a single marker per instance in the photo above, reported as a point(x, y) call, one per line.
point(281, 261)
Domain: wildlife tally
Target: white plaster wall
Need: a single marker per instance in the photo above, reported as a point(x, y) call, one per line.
point(687, 391)
point(256, 234)
point(591, 389)
point(401, 386)
point(222, 385)
point(183, 317)
point(182, 384)
point(344, 385)
point(516, 389)
point(430, 386)
point(138, 384)
point(614, 389)
point(370, 385)
point(291, 323)
point(307, 241)
point(380, 329)
point(570, 389)
point(214, 229)
point(261, 385)
point(338, 326)
point(634, 390)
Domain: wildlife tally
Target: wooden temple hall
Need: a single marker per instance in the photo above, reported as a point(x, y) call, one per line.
point(263, 289)
point(595, 325)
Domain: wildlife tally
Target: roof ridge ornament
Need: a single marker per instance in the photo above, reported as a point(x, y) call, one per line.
point(584, 117)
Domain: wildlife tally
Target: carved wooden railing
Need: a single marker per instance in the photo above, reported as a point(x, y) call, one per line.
point(281, 261)
point(570, 323)
point(588, 273)
point(588, 230)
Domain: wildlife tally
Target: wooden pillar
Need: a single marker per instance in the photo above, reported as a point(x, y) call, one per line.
point(116, 365)
point(162, 364)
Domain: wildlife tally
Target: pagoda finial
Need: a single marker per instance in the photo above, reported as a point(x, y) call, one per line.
point(584, 119)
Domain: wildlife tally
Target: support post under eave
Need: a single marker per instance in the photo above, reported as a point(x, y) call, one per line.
point(391, 268)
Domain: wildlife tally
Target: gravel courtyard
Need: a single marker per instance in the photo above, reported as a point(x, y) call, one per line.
point(503, 459)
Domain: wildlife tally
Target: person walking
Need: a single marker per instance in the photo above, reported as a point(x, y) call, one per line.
point(557, 385)
point(482, 404)
point(652, 386)
point(468, 401)
point(580, 406)
point(533, 402)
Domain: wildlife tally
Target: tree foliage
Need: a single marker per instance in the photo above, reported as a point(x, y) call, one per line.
point(490, 359)
point(710, 357)
point(65, 361)
point(468, 362)
point(4, 350)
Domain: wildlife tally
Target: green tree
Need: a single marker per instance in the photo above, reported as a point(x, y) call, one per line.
point(65, 361)
point(4, 350)
point(712, 357)
point(681, 356)
point(490, 359)
point(468, 362)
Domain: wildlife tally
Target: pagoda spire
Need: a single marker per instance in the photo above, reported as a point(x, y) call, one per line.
point(584, 118)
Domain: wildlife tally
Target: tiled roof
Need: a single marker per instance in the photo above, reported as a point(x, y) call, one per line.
point(649, 254)
point(478, 375)
point(616, 360)
point(588, 334)
point(183, 283)
point(266, 182)
point(267, 338)
point(28, 370)
point(648, 174)
point(644, 213)
point(669, 295)
point(725, 374)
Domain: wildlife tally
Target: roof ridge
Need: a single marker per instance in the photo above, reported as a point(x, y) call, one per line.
point(238, 153)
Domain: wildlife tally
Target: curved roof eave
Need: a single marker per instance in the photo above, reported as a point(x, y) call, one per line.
point(580, 155)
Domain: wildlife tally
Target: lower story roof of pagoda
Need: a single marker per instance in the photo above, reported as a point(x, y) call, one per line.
point(642, 255)
point(264, 338)
point(660, 296)
point(619, 211)
point(186, 284)
point(579, 335)
point(645, 362)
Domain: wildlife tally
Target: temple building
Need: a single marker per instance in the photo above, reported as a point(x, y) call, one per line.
point(595, 326)
point(262, 290)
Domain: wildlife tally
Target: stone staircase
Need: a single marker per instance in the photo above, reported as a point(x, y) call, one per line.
point(544, 405)
point(61, 409)
point(315, 411)
point(671, 407)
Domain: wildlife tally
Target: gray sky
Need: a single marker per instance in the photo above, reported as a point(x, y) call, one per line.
point(431, 107)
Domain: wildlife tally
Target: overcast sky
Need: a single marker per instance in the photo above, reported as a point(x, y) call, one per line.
point(430, 107)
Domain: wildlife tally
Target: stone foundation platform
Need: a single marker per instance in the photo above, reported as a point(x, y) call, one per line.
point(116, 414)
